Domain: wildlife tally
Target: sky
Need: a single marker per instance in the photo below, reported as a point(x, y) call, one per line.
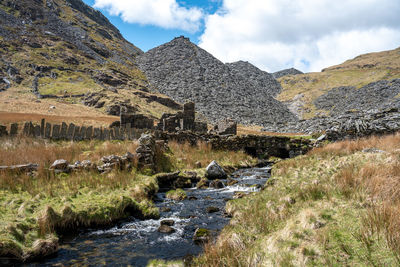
point(271, 34)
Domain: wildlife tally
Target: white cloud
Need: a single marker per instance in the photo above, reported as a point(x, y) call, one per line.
point(163, 13)
point(305, 34)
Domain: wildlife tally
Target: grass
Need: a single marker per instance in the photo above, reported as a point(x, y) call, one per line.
point(334, 206)
point(186, 156)
point(68, 82)
point(256, 130)
point(35, 209)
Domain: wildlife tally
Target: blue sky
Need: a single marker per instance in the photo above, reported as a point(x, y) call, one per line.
point(271, 34)
point(147, 36)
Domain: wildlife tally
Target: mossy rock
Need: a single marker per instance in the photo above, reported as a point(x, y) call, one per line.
point(177, 194)
point(201, 235)
point(203, 183)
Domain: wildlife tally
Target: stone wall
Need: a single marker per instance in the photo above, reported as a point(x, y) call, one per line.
point(71, 131)
point(182, 120)
point(138, 121)
point(226, 126)
point(255, 145)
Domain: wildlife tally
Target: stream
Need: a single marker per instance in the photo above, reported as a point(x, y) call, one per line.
point(135, 242)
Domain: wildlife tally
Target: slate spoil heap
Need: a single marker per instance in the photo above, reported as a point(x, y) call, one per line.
point(183, 71)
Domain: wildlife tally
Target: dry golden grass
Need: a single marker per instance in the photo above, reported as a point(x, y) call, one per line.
point(390, 143)
point(256, 130)
point(186, 156)
point(19, 105)
point(44, 152)
point(335, 206)
point(6, 118)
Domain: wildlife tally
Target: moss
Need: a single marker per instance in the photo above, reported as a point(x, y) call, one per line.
point(178, 194)
point(202, 232)
point(27, 221)
point(163, 263)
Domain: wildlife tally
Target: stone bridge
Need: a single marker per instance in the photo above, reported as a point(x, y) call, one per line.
point(261, 146)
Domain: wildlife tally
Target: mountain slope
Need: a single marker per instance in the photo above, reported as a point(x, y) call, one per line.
point(62, 48)
point(303, 90)
point(183, 71)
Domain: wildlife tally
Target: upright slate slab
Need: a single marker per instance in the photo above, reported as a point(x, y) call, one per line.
point(14, 129)
point(101, 134)
point(106, 134)
point(70, 132)
point(117, 135)
point(56, 132)
point(112, 134)
point(77, 133)
point(83, 132)
point(36, 131)
point(64, 129)
point(42, 128)
point(96, 133)
point(47, 131)
point(31, 129)
point(26, 129)
point(89, 133)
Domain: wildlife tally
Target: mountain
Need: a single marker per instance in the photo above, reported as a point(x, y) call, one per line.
point(363, 83)
point(285, 72)
point(184, 71)
point(64, 49)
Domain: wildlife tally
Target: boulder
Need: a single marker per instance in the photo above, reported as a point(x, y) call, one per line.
point(168, 222)
point(166, 229)
point(215, 171)
point(212, 209)
point(59, 164)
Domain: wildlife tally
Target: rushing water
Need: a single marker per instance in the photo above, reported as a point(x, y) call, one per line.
point(135, 242)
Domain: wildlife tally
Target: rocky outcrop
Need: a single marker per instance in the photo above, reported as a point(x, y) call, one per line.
point(166, 101)
point(285, 72)
point(183, 71)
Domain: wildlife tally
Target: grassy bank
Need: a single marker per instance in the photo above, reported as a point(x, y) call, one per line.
point(36, 209)
point(337, 205)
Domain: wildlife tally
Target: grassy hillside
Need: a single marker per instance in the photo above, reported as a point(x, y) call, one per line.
point(356, 72)
point(72, 49)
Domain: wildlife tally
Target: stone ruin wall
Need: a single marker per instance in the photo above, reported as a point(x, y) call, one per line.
point(71, 131)
point(130, 127)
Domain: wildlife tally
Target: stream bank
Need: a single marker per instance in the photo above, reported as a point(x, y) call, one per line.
point(135, 241)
